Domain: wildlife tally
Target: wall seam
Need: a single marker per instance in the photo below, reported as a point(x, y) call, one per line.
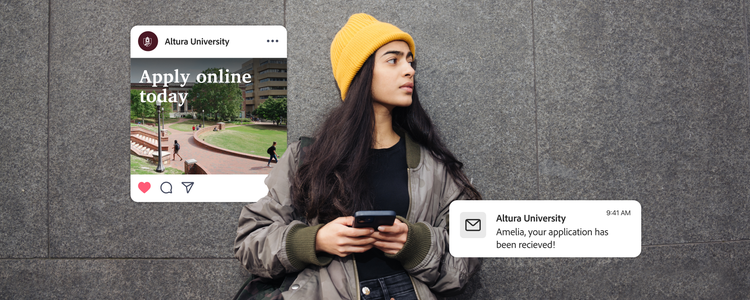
point(536, 108)
point(219, 258)
point(49, 67)
point(696, 243)
point(117, 258)
point(747, 61)
point(747, 48)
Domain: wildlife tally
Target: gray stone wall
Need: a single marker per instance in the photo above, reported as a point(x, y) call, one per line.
point(644, 100)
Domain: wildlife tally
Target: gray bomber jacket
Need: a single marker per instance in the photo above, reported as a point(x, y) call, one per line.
point(272, 241)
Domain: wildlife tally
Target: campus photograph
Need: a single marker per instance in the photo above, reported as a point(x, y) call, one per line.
point(229, 132)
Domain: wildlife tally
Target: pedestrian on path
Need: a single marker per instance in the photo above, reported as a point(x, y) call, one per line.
point(272, 151)
point(176, 150)
point(193, 127)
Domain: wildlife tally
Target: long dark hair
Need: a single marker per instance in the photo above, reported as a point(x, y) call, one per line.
point(331, 181)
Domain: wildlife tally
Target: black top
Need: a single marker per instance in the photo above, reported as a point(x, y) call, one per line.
point(388, 178)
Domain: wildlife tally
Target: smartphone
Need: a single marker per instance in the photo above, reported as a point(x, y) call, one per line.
point(373, 218)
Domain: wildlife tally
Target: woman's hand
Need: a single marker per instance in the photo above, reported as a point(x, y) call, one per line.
point(390, 239)
point(338, 238)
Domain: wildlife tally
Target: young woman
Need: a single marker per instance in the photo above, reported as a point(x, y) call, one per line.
point(377, 151)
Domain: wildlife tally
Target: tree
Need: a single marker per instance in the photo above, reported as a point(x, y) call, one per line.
point(167, 108)
point(272, 109)
point(138, 108)
point(218, 99)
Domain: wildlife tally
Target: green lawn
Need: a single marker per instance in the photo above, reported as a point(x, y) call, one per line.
point(187, 126)
point(153, 120)
point(149, 128)
point(250, 139)
point(249, 123)
point(142, 166)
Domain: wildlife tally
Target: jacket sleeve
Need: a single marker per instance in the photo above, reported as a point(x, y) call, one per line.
point(429, 259)
point(270, 240)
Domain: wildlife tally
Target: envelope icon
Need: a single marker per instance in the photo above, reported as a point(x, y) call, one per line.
point(473, 225)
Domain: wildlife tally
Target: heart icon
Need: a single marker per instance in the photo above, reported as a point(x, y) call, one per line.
point(144, 186)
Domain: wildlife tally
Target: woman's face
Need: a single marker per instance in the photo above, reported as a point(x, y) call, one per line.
point(393, 75)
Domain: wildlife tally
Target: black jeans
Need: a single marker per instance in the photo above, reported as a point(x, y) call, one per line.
point(397, 286)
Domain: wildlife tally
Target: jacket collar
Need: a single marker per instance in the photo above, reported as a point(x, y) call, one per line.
point(413, 153)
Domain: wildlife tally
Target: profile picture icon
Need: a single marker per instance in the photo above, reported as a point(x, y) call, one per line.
point(148, 41)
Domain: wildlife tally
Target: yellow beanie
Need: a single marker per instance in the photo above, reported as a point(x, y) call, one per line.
point(356, 41)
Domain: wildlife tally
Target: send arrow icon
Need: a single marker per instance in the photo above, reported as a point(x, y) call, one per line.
point(188, 186)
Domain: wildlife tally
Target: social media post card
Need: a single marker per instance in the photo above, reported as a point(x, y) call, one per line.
point(561, 228)
point(207, 111)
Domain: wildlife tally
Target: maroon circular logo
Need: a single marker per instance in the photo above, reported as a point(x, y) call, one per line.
point(148, 41)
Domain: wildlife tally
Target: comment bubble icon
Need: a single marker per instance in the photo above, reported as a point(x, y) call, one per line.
point(166, 187)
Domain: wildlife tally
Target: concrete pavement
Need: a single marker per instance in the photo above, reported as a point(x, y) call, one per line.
point(213, 162)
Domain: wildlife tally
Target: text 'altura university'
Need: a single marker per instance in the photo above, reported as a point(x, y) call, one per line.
point(531, 218)
point(199, 42)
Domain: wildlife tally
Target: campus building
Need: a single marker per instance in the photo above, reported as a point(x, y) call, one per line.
point(269, 80)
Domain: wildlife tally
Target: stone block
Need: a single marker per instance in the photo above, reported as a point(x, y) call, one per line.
point(647, 102)
point(24, 129)
point(92, 213)
point(474, 76)
point(695, 271)
point(120, 278)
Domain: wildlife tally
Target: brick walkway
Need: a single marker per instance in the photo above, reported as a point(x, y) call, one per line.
point(213, 162)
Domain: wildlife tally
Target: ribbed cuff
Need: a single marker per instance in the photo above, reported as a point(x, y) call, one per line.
point(418, 242)
point(300, 247)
